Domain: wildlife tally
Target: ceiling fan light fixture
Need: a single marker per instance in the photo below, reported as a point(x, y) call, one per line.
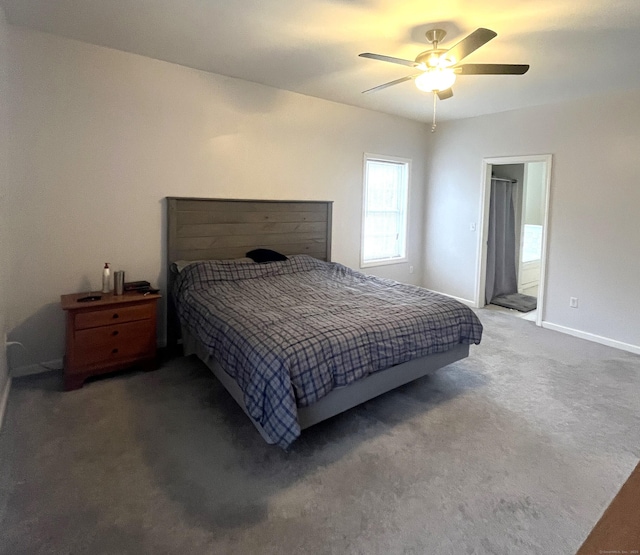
point(433, 60)
point(436, 79)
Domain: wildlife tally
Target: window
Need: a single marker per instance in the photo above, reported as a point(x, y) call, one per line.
point(384, 222)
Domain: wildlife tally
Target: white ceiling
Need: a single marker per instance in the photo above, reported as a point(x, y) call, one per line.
point(575, 48)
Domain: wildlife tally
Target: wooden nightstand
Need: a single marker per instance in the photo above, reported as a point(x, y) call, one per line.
point(106, 335)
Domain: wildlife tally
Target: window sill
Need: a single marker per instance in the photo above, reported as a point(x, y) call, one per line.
point(385, 262)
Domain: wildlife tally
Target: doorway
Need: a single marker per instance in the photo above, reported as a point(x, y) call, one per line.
point(520, 187)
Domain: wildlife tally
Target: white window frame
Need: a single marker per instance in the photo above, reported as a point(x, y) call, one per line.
point(394, 160)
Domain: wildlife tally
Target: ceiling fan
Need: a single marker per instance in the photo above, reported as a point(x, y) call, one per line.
point(439, 67)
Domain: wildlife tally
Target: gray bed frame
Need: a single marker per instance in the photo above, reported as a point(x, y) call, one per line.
point(215, 229)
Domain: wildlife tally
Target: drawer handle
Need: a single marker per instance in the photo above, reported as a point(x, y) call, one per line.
point(114, 351)
point(115, 316)
point(115, 332)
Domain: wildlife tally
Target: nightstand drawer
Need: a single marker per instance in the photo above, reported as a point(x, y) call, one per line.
point(108, 316)
point(113, 343)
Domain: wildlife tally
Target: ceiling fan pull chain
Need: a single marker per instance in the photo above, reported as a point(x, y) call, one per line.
point(433, 126)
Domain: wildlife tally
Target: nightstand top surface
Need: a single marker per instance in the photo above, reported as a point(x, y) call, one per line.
point(70, 302)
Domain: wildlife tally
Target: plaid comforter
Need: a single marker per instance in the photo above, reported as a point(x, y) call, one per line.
point(289, 332)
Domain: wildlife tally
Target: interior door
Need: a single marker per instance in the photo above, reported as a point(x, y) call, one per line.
point(533, 212)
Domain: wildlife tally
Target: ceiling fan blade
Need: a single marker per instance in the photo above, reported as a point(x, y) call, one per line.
point(388, 59)
point(391, 83)
point(492, 69)
point(447, 93)
point(470, 44)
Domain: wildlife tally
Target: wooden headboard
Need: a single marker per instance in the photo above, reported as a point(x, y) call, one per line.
point(217, 229)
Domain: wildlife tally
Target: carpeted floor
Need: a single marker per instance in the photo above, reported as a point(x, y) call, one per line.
point(517, 449)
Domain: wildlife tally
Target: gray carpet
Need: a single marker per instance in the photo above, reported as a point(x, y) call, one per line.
point(517, 449)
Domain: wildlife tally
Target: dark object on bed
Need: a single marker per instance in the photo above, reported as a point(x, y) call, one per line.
point(265, 255)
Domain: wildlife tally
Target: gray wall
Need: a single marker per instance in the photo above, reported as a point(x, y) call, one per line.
point(7, 211)
point(594, 198)
point(106, 135)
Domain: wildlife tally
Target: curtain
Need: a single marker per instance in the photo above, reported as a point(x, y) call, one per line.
point(501, 242)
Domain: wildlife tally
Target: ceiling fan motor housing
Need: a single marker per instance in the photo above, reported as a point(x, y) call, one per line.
point(432, 58)
point(435, 35)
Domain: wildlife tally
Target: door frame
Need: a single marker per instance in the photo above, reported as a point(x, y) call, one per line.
point(481, 253)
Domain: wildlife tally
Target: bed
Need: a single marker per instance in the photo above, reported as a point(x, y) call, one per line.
point(297, 341)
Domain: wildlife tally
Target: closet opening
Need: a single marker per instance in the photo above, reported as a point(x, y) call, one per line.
point(513, 235)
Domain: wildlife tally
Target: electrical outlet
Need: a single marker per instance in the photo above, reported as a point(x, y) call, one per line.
point(573, 302)
point(411, 269)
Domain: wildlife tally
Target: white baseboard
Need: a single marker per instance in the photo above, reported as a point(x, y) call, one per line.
point(4, 397)
point(593, 337)
point(30, 369)
point(472, 304)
